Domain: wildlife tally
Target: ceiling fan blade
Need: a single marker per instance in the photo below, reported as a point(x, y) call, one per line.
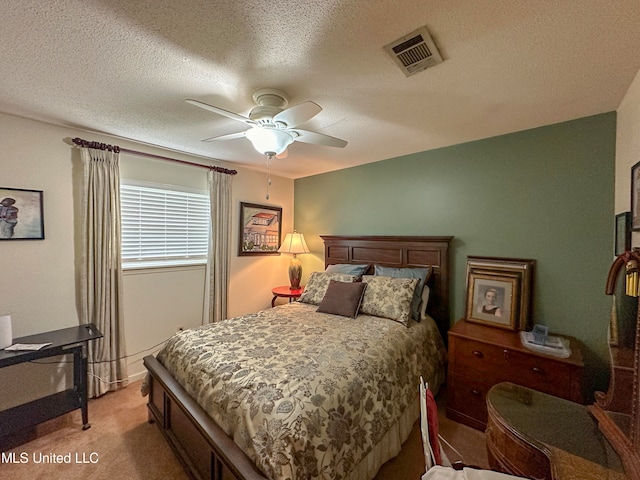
point(283, 155)
point(306, 136)
point(229, 136)
point(298, 114)
point(221, 111)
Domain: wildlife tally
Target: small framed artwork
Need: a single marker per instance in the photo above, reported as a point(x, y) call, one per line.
point(635, 197)
point(21, 214)
point(622, 233)
point(500, 292)
point(260, 229)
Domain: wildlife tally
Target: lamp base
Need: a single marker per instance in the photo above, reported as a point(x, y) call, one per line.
point(295, 273)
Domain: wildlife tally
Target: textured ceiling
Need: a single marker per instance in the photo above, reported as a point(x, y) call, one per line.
point(124, 68)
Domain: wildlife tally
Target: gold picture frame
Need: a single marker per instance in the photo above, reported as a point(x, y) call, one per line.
point(500, 292)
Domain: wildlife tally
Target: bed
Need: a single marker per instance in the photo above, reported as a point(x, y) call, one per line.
point(296, 393)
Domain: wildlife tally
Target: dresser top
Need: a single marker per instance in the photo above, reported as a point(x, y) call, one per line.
point(503, 338)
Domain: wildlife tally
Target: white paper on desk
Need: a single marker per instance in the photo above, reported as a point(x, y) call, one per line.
point(5, 331)
point(27, 346)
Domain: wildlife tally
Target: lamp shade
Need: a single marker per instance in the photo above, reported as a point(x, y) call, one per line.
point(269, 141)
point(294, 243)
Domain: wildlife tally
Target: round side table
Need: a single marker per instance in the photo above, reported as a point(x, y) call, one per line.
point(285, 292)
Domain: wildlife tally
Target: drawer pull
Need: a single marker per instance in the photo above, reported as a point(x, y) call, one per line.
point(476, 392)
point(478, 353)
point(505, 354)
point(538, 370)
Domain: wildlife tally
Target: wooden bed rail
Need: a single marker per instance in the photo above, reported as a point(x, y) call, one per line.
point(203, 447)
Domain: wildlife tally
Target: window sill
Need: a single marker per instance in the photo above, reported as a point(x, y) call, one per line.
point(134, 267)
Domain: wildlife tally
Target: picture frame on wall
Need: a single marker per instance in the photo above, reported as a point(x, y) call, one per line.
point(21, 214)
point(500, 292)
point(260, 229)
point(635, 197)
point(622, 241)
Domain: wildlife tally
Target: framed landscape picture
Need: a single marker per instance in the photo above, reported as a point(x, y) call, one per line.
point(260, 229)
point(21, 214)
point(500, 292)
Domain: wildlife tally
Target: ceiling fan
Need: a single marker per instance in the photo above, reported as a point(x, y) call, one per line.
point(272, 127)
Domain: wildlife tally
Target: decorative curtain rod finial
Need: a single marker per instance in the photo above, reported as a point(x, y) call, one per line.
point(96, 145)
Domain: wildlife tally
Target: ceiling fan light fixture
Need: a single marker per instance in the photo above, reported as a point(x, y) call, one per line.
point(269, 141)
point(273, 129)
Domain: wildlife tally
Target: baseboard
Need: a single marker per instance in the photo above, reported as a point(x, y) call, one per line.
point(137, 376)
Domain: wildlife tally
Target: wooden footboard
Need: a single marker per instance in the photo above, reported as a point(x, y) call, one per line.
point(205, 450)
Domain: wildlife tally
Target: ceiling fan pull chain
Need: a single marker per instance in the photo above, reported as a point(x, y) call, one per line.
point(268, 175)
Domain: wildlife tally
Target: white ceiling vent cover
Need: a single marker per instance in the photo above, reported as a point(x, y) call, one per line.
point(414, 52)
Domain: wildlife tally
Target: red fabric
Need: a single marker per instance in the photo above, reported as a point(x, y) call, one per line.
point(432, 423)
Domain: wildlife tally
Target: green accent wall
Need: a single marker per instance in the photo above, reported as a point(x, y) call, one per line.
point(545, 194)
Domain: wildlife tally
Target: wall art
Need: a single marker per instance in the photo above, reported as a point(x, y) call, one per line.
point(21, 214)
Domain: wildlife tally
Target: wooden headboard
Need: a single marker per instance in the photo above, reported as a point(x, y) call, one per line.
point(400, 251)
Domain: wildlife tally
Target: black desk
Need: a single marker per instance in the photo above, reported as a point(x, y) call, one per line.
point(66, 341)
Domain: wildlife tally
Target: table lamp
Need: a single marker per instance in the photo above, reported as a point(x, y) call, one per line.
point(294, 243)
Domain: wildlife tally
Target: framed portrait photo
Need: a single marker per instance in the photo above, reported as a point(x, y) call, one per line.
point(21, 214)
point(635, 197)
point(491, 300)
point(500, 292)
point(260, 229)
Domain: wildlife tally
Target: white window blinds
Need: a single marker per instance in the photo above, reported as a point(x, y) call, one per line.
point(163, 226)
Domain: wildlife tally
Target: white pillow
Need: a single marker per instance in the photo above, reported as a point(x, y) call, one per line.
point(424, 302)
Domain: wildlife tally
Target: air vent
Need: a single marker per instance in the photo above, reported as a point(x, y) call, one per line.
point(414, 52)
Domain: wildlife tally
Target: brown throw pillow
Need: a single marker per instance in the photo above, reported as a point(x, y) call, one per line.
point(342, 298)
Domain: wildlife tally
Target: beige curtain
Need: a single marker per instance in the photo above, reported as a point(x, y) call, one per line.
point(101, 274)
point(217, 276)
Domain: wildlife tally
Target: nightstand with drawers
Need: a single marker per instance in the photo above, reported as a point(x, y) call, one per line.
point(481, 356)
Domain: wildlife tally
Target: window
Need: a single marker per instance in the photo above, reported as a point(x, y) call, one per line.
point(163, 225)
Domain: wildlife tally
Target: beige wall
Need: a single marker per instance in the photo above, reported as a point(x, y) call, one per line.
point(627, 149)
point(39, 278)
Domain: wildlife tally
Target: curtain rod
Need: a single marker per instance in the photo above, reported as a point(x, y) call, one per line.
point(114, 148)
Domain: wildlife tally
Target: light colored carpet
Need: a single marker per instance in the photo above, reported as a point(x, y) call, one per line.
point(121, 442)
point(123, 445)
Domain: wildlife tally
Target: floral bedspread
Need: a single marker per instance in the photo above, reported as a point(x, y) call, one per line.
point(305, 394)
